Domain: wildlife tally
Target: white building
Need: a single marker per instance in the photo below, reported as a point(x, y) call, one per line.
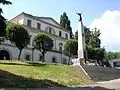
point(35, 24)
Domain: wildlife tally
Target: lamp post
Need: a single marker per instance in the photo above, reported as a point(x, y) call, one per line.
point(60, 45)
point(33, 48)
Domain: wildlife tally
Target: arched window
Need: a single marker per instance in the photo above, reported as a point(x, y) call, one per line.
point(60, 46)
point(27, 56)
point(54, 59)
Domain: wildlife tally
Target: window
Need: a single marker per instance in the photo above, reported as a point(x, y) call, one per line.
point(60, 33)
point(29, 22)
point(38, 25)
point(50, 30)
point(66, 36)
point(41, 58)
point(60, 47)
point(27, 57)
point(54, 32)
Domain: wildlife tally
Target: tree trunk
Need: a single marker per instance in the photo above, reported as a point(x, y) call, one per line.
point(43, 57)
point(69, 60)
point(85, 56)
point(19, 55)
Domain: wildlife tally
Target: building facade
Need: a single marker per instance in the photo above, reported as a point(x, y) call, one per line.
point(35, 24)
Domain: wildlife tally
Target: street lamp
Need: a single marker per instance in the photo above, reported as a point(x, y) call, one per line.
point(60, 45)
point(33, 47)
point(1, 40)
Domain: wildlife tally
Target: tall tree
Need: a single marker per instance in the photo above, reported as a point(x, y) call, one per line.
point(2, 20)
point(87, 34)
point(19, 36)
point(43, 43)
point(65, 23)
point(76, 35)
point(70, 48)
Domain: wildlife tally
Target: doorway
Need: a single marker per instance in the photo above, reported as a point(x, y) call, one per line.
point(4, 55)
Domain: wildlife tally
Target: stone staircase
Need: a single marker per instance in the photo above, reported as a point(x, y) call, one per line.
point(98, 73)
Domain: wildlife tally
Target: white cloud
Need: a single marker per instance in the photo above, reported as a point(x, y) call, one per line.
point(109, 25)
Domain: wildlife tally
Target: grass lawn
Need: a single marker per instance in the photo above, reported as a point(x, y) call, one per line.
point(21, 74)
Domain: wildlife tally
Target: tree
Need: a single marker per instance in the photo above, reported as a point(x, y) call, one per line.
point(94, 39)
point(65, 23)
point(19, 36)
point(2, 28)
point(112, 55)
point(71, 48)
point(100, 54)
point(4, 2)
point(43, 43)
point(87, 34)
point(2, 20)
point(94, 50)
point(97, 54)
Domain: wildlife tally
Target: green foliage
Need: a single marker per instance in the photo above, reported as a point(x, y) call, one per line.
point(76, 35)
point(2, 28)
point(100, 53)
point(18, 35)
point(71, 48)
point(112, 55)
point(65, 23)
point(91, 52)
point(43, 43)
point(87, 35)
point(94, 39)
point(96, 53)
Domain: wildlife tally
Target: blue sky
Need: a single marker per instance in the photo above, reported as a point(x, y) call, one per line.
point(91, 9)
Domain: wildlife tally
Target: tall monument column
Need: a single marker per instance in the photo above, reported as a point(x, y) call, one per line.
point(81, 40)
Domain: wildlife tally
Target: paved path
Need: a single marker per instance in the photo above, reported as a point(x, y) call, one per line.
point(112, 84)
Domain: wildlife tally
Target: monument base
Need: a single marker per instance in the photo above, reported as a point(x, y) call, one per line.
point(78, 61)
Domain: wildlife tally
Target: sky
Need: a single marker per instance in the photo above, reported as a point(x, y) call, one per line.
point(102, 14)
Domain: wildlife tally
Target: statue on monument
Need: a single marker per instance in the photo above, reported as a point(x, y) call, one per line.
point(80, 14)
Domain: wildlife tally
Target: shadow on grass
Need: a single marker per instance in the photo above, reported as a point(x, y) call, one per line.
point(26, 64)
point(10, 80)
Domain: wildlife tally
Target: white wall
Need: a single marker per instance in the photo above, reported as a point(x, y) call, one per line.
point(14, 52)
